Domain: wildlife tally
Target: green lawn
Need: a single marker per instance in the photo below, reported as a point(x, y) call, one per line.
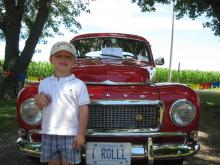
point(210, 109)
point(7, 115)
point(209, 97)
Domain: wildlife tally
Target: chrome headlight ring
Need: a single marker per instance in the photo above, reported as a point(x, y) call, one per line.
point(29, 112)
point(182, 112)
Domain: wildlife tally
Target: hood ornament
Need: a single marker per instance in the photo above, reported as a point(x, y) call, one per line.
point(138, 118)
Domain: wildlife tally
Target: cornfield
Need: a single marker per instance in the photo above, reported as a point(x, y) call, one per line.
point(44, 69)
point(184, 76)
point(188, 76)
point(40, 69)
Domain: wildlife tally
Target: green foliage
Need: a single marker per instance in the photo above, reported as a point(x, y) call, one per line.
point(210, 8)
point(188, 76)
point(44, 69)
point(1, 66)
point(62, 13)
point(40, 69)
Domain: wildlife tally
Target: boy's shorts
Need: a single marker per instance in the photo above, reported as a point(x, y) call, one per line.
point(59, 147)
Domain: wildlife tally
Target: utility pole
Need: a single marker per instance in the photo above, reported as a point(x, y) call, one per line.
point(171, 47)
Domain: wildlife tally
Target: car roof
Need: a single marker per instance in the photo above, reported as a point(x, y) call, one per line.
point(116, 35)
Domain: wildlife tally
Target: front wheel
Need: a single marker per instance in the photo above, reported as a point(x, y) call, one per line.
point(169, 162)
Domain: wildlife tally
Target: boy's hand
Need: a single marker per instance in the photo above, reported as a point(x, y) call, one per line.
point(42, 100)
point(80, 139)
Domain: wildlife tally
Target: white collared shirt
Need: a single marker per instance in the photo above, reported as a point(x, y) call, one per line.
point(61, 116)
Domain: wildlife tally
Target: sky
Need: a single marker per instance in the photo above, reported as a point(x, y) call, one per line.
point(194, 47)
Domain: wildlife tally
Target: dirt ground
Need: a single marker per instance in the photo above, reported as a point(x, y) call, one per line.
point(209, 136)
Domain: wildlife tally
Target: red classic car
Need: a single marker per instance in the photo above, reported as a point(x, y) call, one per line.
point(130, 116)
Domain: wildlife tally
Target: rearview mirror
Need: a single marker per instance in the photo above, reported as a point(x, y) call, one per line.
point(159, 61)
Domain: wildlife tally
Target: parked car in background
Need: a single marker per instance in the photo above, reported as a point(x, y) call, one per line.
point(130, 116)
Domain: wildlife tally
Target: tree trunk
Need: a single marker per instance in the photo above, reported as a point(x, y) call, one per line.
point(15, 65)
point(11, 27)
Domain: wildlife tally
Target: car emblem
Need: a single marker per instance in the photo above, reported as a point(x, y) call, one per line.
point(138, 118)
point(142, 96)
point(125, 95)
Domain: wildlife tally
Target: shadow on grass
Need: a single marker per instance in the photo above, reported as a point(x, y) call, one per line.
point(211, 97)
point(7, 115)
point(209, 133)
point(209, 130)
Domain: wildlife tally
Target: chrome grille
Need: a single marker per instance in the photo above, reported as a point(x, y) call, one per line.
point(123, 116)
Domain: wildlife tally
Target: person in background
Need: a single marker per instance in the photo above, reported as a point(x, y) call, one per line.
point(64, 100)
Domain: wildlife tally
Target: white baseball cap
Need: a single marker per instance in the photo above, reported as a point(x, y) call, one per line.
point(63, 45)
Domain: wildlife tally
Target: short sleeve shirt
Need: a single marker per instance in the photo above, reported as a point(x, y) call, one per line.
point(61, 116)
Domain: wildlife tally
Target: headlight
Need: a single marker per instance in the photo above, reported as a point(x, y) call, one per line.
point(182, 113)
point(30, 113)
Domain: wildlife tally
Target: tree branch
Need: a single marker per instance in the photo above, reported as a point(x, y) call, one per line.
point(12, 21)
point(9, 5)
point(2, 23)
point(35, 32)
point(20, 9)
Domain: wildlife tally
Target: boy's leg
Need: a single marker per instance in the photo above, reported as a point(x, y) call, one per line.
point(50, 152)
point(65, 163)
point(54, 162)
point(69, 154)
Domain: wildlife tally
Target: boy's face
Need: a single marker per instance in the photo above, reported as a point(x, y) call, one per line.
point(63, 61)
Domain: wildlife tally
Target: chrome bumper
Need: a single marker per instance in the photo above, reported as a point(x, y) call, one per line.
point(148, 151)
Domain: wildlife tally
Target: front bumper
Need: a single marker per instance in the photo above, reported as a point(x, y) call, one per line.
point(148, 151)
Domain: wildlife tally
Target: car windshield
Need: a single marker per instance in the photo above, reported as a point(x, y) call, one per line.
point(109, 47)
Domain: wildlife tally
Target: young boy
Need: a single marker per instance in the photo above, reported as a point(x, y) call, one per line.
point(64, 100)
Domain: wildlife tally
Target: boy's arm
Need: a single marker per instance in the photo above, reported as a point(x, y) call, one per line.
point(83, 122)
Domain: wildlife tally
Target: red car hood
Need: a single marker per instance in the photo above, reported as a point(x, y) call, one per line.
point(111, 70)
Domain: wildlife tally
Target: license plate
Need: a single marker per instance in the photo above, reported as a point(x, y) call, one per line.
point(108, 153)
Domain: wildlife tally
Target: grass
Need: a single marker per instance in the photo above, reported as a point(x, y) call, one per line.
point(210, 109)
point(209, 97)
point(210, 116)
point(7, 115)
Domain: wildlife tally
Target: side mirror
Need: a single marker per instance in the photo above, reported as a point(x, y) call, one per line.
point(159, 61)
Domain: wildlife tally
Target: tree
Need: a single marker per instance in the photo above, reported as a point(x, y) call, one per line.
point(192, 8)
point(32, 20)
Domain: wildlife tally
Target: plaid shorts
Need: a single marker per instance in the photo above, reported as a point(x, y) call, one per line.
point(59, 147)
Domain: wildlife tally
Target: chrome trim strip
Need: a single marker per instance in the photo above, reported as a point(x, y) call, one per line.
point(28, 148)
point(138, 151)
point(131, 133)
point(150, 151)
point(121, 133)
point(108, 82)
point(126, 102)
